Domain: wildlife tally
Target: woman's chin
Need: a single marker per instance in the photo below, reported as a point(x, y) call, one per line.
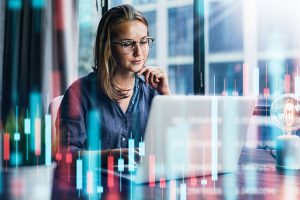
point(137, 68)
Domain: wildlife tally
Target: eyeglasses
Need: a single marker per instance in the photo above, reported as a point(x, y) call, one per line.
point(129, 45)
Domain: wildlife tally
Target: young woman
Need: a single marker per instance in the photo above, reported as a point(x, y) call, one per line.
point(113, 102)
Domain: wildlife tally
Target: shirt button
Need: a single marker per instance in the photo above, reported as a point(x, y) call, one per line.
point(123, 139)
point(132, 102)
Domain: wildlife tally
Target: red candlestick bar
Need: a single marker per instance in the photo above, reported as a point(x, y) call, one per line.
point(193, 181)
point(6, 146)
point(151, 170)
point(37, 136)
point(266, 92)
point(110, 167)
point(58, 156)
point(162, 183)
point(69, 158)
point(287, 83)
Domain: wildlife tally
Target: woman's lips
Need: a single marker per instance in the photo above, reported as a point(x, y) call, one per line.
point(136, 62)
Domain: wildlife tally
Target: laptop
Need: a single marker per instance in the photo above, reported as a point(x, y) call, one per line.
point(192, 136)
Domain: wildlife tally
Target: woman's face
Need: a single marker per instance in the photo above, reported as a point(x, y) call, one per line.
point(129, 31)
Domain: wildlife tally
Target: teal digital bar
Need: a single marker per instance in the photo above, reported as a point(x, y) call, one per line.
point(93, 139)
point(34, 111)
point(48, 139)
point(14, 4)
point(79, 174)
point(99, 162)
point(17, 119)
point(27, 132)
point(131, 155)
point(27, 126)
point(37, 3)
point(214, 141)
point(16, 158)
point(17, 153)
point(182, 191)
point(229, 144)
point(17, 137)
point(99, 189)
point(141, 148)
point(121, 165)
point(93, 130)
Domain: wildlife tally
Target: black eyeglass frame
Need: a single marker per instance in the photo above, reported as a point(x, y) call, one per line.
point(134, 43)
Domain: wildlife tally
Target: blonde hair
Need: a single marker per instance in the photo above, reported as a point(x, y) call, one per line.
point(104, 63)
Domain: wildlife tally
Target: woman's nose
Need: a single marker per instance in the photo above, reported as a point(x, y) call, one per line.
point(137, 51)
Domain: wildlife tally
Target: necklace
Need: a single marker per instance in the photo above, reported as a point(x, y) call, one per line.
point(130, 86)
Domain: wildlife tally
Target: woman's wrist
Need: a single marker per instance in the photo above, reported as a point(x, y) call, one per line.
point(165, 92)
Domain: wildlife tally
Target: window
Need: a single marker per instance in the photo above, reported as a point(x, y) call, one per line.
point(183, 85)
point(225, 26)
point(151, 18)
point(224, 46)
point(226, 77)
point(88, 18)
point(262, 34)
point(180, 39)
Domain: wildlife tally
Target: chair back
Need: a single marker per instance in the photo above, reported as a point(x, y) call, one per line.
point(53, 108)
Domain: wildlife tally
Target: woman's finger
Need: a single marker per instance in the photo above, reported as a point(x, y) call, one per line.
point(151, 77)
point(142, 71)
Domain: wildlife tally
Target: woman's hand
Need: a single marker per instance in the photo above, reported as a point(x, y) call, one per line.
point(156, 78)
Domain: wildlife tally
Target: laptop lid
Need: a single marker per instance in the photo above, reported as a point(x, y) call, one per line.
point(190, 136)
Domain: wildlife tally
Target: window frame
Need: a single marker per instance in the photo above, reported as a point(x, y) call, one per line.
point(199, 47)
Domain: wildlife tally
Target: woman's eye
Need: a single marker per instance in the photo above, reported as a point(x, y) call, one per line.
point(144, 42)
point(127, 44)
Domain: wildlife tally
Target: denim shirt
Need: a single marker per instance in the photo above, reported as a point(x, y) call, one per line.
point(114, 126)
